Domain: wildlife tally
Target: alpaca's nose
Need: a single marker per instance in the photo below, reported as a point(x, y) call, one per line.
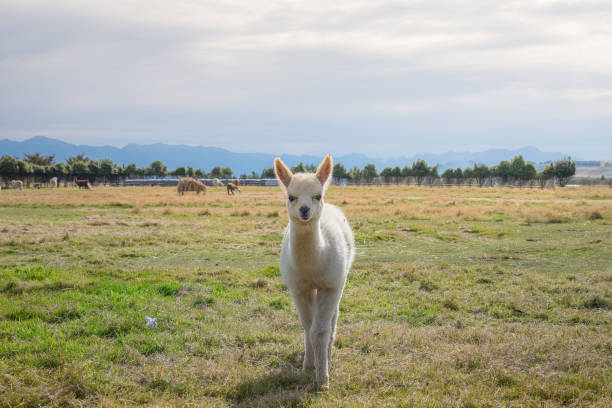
point(304, 210)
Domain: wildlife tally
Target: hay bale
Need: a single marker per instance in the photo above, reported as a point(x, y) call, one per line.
point(190, 184)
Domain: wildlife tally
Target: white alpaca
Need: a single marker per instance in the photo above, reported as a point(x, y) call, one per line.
point(53, 182)
point(17, 184)
point(316, 255)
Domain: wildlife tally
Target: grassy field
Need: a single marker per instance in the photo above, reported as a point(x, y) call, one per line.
point(459, 297)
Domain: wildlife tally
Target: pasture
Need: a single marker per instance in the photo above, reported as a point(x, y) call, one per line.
point(459, 297)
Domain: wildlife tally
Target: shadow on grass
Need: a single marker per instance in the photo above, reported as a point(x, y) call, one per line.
point(287, 386)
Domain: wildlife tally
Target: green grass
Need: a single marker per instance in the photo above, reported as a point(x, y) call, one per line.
point(439, 310)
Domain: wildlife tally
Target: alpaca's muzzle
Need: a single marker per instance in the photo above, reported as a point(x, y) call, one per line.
point(304, 212)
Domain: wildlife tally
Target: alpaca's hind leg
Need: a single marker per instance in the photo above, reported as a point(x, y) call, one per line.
point(326, 307)
point(305, 304)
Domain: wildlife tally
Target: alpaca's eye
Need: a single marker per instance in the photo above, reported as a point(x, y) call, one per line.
point(291, 198)
point(317, 197)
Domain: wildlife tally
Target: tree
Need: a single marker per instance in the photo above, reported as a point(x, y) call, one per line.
point(94, 168)
point(38, 170)
point(549, 170)
point(108, 169)
point(468, 175)
point(448, 175)
point(79, 157)
point(502, 171)
point(9, 167)
point(355, 174)
point(547, 174)
point(481, 173)
point(391, 172)
point(420, 170)
point(37, 158)
point(189, 171)
point(199, 173)
point(459, 177)
point(216, 172)
point(25, 168)
point(80, 169)
point(179, 171)
point(369, 172)
point(339, 171)
point(386, 172)
point(268, 173)
point(254, 175)
point(227, 172)
point(60, 170)
point(564, 170)
point(529, 172)
point(131, 170)
point(406, 172)
point(300, 168)
point(517, 166)
point(157, 168)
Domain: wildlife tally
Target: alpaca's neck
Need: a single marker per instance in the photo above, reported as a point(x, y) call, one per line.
point(306, 240)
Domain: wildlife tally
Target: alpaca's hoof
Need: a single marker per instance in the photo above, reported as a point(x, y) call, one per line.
point(322, 388)
point(323, 382)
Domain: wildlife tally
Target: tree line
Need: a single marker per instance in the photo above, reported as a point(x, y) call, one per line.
point(43, 167)
point(515, 171)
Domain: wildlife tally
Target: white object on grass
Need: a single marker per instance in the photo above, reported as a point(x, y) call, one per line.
point(151, 322)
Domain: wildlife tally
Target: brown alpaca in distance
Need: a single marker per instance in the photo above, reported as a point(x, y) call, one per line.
point(236, 182)
point(190, 184)
point(82, 183)
point(231, 188)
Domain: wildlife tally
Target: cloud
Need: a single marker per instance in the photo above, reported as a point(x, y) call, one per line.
point(414, 74)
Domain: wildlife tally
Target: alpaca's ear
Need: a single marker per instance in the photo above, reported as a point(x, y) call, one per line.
point(324, 171)
point(283, 174)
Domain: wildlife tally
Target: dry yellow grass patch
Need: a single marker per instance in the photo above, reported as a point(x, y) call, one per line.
point(404, 202)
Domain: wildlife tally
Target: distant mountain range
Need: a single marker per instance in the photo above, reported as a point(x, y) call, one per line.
point(207, 157)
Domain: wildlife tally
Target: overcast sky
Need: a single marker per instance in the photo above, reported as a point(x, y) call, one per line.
point(384, 78)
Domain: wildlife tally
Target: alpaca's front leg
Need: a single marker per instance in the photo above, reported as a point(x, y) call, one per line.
point(304, 303)
point(332, 334)
point(320, 333)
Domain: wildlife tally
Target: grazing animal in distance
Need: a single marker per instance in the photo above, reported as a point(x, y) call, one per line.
point(236, 182)
point(82, 183)
point(17, 184)
point(217, 183)
point(316, 255)
point(231, 188)
point(36, 185)
point(190, 184)
point(53, 182)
